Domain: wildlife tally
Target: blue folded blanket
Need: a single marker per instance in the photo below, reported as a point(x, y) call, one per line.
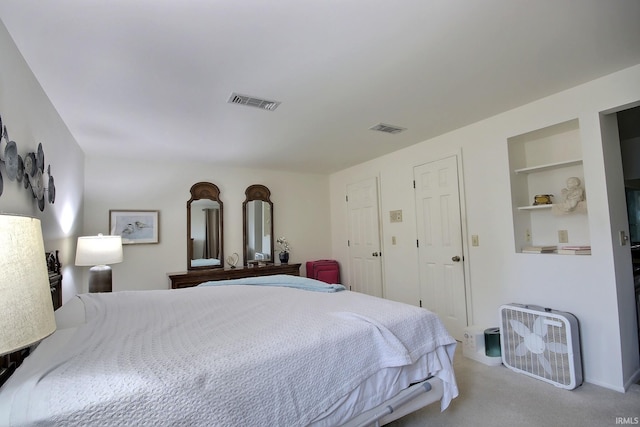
point(283, 280)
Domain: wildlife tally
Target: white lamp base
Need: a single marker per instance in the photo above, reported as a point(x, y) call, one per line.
point(100, 278)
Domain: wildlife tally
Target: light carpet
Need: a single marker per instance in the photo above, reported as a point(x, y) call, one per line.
point(496, 396)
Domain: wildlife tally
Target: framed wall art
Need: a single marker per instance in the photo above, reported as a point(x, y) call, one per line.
point(135, 227)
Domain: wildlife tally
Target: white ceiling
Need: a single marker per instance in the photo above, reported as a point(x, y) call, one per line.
point(151, 78)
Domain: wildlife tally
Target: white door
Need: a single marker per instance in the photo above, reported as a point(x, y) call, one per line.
point(365, 266)
point(442, 287)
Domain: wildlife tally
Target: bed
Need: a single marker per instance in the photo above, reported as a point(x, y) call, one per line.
point(277, 350)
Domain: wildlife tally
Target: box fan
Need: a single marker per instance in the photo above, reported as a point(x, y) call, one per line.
point(542, 343)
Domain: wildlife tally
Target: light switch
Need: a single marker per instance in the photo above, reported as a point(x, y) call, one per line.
point(393, 240)
point(474, 240)
point(395, 216)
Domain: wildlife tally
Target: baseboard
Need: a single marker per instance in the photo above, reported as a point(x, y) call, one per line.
point(634, 379)
point(606, 385)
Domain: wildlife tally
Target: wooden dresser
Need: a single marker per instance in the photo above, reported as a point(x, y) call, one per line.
point(186, 279)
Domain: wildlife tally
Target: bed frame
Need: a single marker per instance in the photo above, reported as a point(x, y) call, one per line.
point(409, 400)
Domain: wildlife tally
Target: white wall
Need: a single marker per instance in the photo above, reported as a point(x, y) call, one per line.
point(31, 119)
point(584, 286)
point(300, 212)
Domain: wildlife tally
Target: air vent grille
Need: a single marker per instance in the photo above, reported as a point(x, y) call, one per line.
point(387, 128)
point(251, 101)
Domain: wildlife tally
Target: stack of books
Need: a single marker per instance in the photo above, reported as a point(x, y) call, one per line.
point(539, 249)
point(575, 250)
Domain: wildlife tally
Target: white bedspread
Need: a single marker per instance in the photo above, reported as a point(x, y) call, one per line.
point(224, 356)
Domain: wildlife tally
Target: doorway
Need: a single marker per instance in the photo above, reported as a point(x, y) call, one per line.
point(629, 134)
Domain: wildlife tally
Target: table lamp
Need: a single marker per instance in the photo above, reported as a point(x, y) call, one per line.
point(26, 309)
point(98, 251)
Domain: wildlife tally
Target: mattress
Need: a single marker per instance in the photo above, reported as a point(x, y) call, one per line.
point(225, 356)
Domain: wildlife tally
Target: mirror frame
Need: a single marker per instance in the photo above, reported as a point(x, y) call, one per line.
point(200, 191)
point(255, 192)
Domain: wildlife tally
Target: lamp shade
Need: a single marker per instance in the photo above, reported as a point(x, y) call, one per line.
point(26, 309)
point(99, 250)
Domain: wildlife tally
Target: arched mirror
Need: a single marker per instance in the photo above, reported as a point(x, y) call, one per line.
point(257, 225)
point(205, 242)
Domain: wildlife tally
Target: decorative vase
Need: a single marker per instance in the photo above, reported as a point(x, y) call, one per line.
point(284, 257)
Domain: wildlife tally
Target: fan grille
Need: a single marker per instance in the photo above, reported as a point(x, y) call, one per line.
point(560, 368)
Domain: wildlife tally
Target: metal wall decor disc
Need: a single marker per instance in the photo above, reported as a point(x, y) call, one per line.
point(52, 190)
point(40, 159)
point(26, 180)
point(30, 165)
point(5, 133)
point(38, 189)
point(11, 160)
point(20, 169)
point(1, 184)
point(41, 204)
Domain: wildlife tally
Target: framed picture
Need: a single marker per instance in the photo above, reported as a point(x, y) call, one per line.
point(135, 227)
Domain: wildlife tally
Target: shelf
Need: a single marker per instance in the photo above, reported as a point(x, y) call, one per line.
point(549, 166)
point(534, 207)
point(540, 162)
point(580, 208)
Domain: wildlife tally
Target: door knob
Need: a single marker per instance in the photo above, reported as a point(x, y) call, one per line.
point(455, 258)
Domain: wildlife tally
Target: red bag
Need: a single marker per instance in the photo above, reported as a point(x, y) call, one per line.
point(326, 270)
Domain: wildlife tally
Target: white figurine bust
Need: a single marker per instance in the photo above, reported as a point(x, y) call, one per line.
point(572, 195)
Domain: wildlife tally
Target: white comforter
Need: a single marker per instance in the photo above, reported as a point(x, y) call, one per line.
point(223, 356)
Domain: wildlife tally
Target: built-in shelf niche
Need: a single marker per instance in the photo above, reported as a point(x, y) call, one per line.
point(540, 163)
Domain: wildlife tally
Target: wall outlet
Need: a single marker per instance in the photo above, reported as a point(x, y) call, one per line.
point(563, 236)
point(396, 216)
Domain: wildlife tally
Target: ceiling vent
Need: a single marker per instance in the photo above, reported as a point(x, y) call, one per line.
point(387, 128)
point(263, 104)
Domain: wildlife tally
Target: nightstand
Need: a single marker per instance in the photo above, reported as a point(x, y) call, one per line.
point(55, 283)
point(55, 278)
